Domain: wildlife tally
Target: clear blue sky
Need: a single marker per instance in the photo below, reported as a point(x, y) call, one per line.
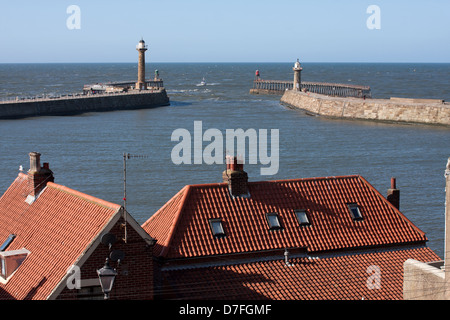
point(226, 31)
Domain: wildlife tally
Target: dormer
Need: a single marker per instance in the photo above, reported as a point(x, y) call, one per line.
point(10, 261)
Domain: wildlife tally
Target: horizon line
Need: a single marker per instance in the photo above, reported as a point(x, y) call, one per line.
point(228, 62)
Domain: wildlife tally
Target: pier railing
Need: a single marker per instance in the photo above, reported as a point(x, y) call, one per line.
point(329, 89)
point(271, 86)
point(75, 96)
point(151, 85)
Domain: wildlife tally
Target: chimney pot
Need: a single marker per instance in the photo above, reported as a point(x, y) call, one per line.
point(393, 183)
point(35, 162)
point(234, 163)
point(393, 194)
point(233, 166)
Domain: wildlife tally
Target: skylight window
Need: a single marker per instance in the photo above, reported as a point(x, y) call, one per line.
point(273, 221)
point(7, 242)
point(354, 211)
point(302, 217)
point(216, 227)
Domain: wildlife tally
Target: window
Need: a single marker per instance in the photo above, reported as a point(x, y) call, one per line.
point(272, 220)
point(302, 217)
point(7, 242)
point(354, 211)
point(216, 227)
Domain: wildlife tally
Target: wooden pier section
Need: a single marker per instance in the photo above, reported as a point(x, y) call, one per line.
point(278, 87)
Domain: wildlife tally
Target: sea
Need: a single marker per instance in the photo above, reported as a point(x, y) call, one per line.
point(86, 152)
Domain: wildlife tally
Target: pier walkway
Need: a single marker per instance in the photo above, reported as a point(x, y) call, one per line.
point(92, 91)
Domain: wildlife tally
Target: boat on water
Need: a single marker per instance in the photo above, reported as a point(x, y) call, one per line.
point(202, 83)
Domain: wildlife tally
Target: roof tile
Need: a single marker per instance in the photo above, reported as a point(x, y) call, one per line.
point(339, 277)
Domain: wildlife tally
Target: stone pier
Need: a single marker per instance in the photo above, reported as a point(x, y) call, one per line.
point(426, 111)
point(63, 106)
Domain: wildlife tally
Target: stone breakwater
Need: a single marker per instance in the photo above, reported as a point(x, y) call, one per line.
point(83, 103)
point(426, 111)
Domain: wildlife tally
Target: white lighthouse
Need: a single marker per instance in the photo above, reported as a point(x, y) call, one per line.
point(297, 76)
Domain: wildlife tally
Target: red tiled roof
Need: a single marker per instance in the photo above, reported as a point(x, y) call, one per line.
point(182, 228)
point(164, 223)
point(56, 229)
point(343, 277)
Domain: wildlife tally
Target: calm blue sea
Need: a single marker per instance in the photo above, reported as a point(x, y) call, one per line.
point(85, 152)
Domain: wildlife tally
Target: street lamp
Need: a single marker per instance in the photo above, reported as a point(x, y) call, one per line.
point(106, 276)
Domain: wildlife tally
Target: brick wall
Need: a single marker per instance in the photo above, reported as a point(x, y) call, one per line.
point(135, 279)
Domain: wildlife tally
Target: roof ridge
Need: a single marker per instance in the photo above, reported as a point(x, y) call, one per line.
point(218, 184)
point(320, 178)
point(79, 194)
point(217, 260)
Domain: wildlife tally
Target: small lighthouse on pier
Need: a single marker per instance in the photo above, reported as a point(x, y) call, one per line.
point(297, 76)
point(141, 48)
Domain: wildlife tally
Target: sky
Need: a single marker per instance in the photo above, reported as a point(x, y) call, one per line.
point(225, 31)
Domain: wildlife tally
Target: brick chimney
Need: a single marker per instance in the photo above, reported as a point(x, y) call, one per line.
point(38, 176)
point(236, 177)
point(393, 194)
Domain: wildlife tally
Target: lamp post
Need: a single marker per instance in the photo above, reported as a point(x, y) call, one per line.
point(106, 276)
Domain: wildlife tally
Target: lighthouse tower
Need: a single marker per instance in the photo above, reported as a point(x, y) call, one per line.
point(297, 76)
point(141, 47)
